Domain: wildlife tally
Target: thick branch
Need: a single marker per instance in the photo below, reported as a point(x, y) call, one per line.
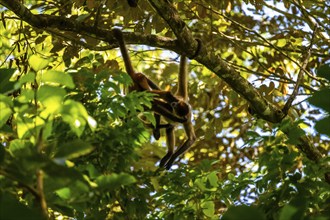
point(48, 22)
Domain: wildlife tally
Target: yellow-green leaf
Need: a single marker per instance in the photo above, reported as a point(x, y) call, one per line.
point(57, 77)
point(281, 42)
point(37, 63)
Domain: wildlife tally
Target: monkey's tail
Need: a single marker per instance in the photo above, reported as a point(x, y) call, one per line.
point(118, 34)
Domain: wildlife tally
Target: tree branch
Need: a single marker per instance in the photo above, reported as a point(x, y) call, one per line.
point(48, 22)
point(289, 102)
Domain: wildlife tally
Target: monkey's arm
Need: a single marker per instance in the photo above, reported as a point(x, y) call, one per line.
point(165, 95)
point(190, 132)
point(165, 109)
point(152, 85)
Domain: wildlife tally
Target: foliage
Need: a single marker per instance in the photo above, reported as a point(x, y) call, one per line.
point(321, 99)
point(74, 145)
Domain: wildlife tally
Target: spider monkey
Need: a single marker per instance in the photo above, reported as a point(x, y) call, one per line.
point(174, 108)
point(182, 95)
point(165, 104)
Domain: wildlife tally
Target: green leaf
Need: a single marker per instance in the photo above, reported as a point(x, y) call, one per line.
point(294, 133)
point(27, 78)
point(91, 122)
point(323, 126)
point(27, 126)
point(114, 86)
point(51, 98)
point(231, 176)
point(5, 84)
point(6, 105)
point(82, 17)
point(17, 146)
point(281, 42)
point(26, 96)
point(64, 193)
point(92, 171)
point(114, 181)
point(150, 118)
point(74, 149)
point(54, 77)
point(200, 184)
point(208, 208)
point(61, 176)
point(287, 212)
point(12, 209)
point(123, 78)
point(243, 213)
point(324, 71)
point(37, 63)
point(7, 100)
point(75, 114)
point(213, 179)
point(321, 99)
point(155, 183)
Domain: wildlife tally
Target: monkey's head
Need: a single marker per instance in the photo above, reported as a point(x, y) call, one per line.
point(181, 108)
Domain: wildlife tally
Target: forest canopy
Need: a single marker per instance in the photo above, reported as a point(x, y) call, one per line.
point(76, 144)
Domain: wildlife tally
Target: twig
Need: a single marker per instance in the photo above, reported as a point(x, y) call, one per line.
point(98, 13)
point(268, 42)
point(40, 176)
point(40, 189)
point(81, 43)
point(288, 104)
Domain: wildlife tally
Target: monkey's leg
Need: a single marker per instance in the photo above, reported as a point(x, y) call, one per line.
point(170, 141)
point(190, 132)
point(156, 129)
